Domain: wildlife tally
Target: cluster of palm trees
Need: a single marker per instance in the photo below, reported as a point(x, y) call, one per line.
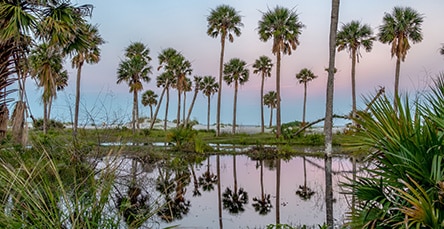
point(35, 39)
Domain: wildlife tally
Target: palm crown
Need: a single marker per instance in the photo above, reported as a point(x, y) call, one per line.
point(224, 20)
point(398, 28)
point(353, 36)
point(235, 70)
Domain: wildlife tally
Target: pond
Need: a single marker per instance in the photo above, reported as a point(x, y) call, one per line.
point(248, 194)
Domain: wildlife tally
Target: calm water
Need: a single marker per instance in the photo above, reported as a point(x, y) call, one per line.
point(194, 190)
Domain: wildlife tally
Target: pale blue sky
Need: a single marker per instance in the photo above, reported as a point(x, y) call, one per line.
point(182, 25)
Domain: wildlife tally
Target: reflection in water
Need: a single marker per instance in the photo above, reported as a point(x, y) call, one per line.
point(304, 191)
point(262, 179)
point(262, 204)
point(234, 200)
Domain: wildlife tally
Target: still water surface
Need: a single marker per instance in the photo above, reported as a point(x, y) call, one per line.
point(268, 193)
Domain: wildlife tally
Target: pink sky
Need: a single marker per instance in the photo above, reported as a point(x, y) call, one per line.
point(182, 25)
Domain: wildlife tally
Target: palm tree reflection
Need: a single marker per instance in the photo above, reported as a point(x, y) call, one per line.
point(234, 200)
point(208, 179)
point(262, 204)
point(304, 192)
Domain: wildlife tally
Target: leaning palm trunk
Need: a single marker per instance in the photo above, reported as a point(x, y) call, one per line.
point(153, 119)
point(166, 108)
point(191, 107)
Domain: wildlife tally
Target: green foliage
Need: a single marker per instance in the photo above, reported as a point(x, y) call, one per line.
point(52, 124)
point(404, 183)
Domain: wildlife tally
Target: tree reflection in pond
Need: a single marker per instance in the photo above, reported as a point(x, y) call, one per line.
point(262, 204)
point(234, 200)
point(305, 192)
point(208, 179)
point(173, 189)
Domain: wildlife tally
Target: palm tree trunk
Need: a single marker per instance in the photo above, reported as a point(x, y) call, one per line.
point(271, 117)
point(398, 69)
point(77, 105)
point(208, 114)
point(166, 108)
point(236, 86)
point(305, 104)
point(219, 202)
point(262, 180)
point(353, 79)
point(219, 95)
point(278, 192)
point(278, 94)
point(48, 113)
point(45, 116)
point(191, 107)
point(328, 123)
point(151, 111)
point(262, 103)
point(235, 174)
point(134, 111)
point(179, 95)
point(153, 119)
point(184, 106)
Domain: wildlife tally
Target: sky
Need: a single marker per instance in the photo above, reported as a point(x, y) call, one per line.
point(182, 25)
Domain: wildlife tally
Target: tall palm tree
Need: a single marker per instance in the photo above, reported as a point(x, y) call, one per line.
point(185, 89)
point(305, 76)
point(328, 123)
point(283, 26)
point(163, 80)
point(181, 68)
point(263, 66)
point(270, 100)
point(352, 37)
point(235, 71)
point(402, 25)
point(225, 21)
point(209, 87)
point(85, 48)
point(197, 81)
point(149, 98)
point(46, 65)
point(134, 70)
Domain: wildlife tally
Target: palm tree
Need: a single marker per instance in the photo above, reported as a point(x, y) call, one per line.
point(263, 66)
point(46, 65)
point(226, 22)
point(209, 87)
point(149, 98)
point(305, 76)
point(352, 37)
point(283, 26)
point(186, 88)
point(402, 25)
point(208, 179)
point(197, 81)
point(163, 80)
point(86, 49)
point(235, 71)
point(442, 50)
point(328, 123)
point(270, 100)
point(134, 70)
